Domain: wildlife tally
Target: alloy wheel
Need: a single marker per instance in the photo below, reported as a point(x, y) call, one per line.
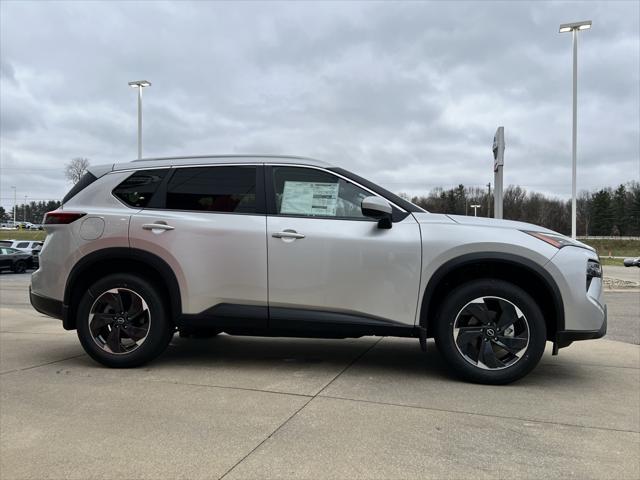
point(119, 321)
point(491, 333)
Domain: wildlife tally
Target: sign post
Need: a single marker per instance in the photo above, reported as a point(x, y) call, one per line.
point(498, 165)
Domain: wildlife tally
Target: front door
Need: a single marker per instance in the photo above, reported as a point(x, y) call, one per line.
point(325, 256)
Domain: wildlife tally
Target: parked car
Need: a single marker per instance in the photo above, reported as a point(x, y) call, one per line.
point(15, 260)
point(26, 246)
point(29, 226)
point(289, 246)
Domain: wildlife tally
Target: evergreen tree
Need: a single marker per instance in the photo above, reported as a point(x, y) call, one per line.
point(601, 213)
point(620, 215)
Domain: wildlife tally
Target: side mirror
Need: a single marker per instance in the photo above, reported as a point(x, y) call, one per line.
point(378, 208)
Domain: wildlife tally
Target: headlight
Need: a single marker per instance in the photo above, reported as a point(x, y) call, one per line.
point(557, 240)
point(594, 269)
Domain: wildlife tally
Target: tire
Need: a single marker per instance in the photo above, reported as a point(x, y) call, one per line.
point(20, 266)
point(472, 334)
point(123, 340)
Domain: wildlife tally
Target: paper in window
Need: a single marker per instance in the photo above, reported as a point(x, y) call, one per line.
point(308, 198)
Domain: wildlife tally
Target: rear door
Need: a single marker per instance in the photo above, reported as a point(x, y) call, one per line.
point(208, 223)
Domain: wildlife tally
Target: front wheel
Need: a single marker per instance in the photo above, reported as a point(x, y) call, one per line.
point(122, 321)
point(490, 331)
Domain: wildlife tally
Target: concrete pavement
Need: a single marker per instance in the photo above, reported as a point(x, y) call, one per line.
point(244, 407)
point(628, 275)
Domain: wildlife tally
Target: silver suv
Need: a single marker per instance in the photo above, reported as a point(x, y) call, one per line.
point(289, 246)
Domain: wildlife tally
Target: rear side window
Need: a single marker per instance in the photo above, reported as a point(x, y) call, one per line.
point(213, 189)
point(23, 245)
point(137, 190)
point(86, 180)
point(5, 243)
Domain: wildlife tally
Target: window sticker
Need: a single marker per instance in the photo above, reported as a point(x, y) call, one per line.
point(308, 198)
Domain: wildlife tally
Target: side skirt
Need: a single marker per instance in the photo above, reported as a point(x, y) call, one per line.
point(292, 322)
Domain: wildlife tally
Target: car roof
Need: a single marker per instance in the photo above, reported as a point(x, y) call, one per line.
point(215, 160)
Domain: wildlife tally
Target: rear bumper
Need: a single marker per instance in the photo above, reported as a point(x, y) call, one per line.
point(564, 338)
point(47, 306)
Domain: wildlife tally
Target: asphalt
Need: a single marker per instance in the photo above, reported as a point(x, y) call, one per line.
point(245, 407)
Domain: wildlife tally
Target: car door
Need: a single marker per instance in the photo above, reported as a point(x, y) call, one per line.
point(326, 256)
point(5, 258)
point(208, 223)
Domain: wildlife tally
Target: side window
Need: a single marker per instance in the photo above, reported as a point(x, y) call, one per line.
point(315, 193)
point(23, 245)
point(137, 190)
point(213, 189)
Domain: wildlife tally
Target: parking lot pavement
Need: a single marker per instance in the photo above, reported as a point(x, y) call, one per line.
point(244, 407)
point(627, 274)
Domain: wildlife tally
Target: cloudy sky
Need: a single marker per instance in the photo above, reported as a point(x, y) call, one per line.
point(406, 94)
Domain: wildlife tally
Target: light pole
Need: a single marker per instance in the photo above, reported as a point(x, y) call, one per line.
point(574, 28)
point(140, 84)
point(24, 210)
point(15, 205)
point(475, 209)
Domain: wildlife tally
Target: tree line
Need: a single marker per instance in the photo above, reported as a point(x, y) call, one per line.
point(605, 212)
point(32, 212)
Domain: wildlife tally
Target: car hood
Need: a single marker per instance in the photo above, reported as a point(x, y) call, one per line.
point(498, 223)
point(426, 217)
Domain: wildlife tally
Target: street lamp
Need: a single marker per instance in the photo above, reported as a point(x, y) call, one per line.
point(475, 210)
point(140, 84)
point(574, 28)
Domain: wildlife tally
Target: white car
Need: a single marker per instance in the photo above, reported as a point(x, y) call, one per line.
point(27, 246)
point(290, 246)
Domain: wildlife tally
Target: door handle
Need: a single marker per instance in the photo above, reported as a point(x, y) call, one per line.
point(157, 226)
point(287, 234)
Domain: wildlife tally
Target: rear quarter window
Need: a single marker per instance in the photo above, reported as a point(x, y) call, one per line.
point(138, 189)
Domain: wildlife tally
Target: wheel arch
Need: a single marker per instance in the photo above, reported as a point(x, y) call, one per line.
point(518, 270)
point(119, 260)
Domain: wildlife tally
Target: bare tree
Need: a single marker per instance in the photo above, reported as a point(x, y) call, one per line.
point(76, 168)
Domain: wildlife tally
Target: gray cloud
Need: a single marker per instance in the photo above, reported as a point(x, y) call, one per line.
point(408, 94)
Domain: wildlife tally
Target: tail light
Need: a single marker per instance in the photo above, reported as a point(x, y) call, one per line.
point(59, 217)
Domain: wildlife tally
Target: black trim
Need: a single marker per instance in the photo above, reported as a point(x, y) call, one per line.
point(159, 199)
point(86, 180)
point(227, 315)
point(505, 258)
point(564, 338)
point(293, 322)
point(165, 274)
point(45, 305)
point(383, 192)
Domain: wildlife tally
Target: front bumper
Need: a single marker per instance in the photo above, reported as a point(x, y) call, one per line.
point(564, 338)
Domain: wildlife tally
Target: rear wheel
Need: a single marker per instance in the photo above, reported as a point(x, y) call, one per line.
point(122, 321)
point(490, 331)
